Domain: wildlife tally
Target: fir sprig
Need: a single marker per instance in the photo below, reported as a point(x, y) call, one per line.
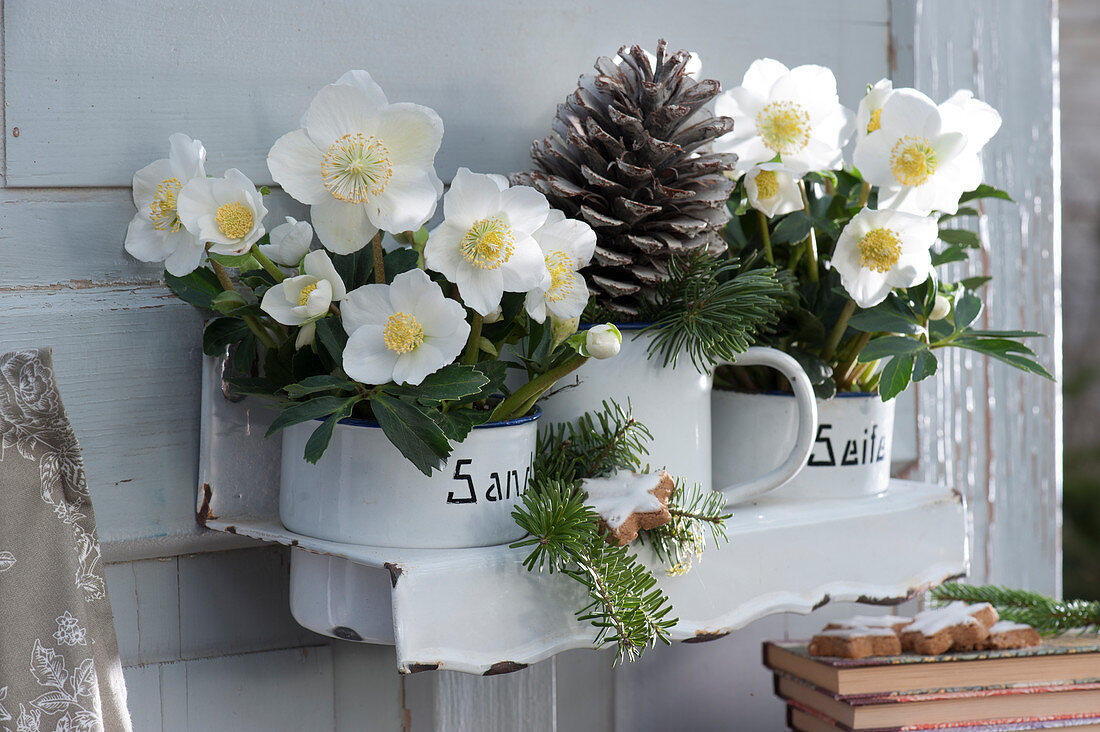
point(625, 605)
point(596, 445)
point(1045, 614)
point(712, 307)
point(695, 513)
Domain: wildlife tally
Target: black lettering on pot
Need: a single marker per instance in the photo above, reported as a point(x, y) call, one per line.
point(459, 475)
point(822, 439)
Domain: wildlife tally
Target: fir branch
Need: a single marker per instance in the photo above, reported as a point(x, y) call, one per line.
point(1045, 614)
point(711, 307)
point(625, 605)
point(695, 512)
point(596, 445)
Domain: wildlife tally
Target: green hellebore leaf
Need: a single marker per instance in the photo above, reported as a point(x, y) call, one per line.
point(198, 288)
point(925, 365)
point(891, 345)
point(895, 376)
point(318, 441)
point(961, 237)
point(415, 434)
point(314, 384)
point(449, 383)
point(222, 332)
point(227, 301)
point(304, 411)
point(967, 309)
point(984, 191)
point(793, 227)
point(239, 261)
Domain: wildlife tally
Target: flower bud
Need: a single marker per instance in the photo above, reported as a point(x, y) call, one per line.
point(603, 341)
point(942, 308)
point(493, 317)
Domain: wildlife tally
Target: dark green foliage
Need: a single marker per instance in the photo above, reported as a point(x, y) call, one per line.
point(1045, 614)
point(625, 605)
point(711, 307)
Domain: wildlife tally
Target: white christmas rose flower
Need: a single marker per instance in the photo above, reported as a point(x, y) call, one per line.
point(920, 163)
point(603, 341)
point(868, 116)
point(772, 189)
point(403, 331)
point(305, 299)
point(972, 117)
point(156, 233)
point(794, 113)
point(567, 246)
point(227, 212)
point(485, 244)
point(361, 163)
point(289, 242)
point(881, 250)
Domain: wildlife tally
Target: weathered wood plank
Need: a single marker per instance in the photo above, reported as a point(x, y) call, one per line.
point(255, 692)
point(520, 700)
point(73, 238)
point(237, 74)
point(991, 431)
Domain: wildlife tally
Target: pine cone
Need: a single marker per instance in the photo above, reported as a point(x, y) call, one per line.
point(630, 155)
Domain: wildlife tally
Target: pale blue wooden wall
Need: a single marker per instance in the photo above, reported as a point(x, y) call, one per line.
point(91, 91)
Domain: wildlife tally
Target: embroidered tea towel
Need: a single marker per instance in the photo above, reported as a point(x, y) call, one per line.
point(59, 664)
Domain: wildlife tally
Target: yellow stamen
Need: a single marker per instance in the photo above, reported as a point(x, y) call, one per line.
point(403, 333)
point(356, 167)
point(234, 219)
point(304, 293)
point(767, 185)
point(562, 280)
point(784, 127)
point(879, 250)
point(875, 122)
point(162, 211)
point(913, 160)
point(488, 244)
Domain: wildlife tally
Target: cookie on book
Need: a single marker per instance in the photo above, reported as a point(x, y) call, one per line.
point(891, 622)
point(956, 627)
point(628, 502)
point(855, 642)
point(1005, 634)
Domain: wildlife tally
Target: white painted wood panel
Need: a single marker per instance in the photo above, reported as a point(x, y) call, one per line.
point(277, 691)
point(989, 430)
point(96, 88)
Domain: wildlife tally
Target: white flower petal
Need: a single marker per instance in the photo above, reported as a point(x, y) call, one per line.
point(406, 288)
point(186, 256)
point(535, 305)
point(574, 299)
point(525, 269)
point(470, 198)
point(187, 157)
point(305, 335)
point(526, 208)
point(276, 304)
point(441, 253)
point(910, 112)
point(369, 304)
point(289, 242)
point(872, 158)
point(338, 110)
point(146, 181)
point(411, 133)
point(366, 358)
point(146, 243)
point(295, 164)
point(343, 228)
point(762, 75)
point(362, 79)
point(440, 316)
point(481, 289)
point(319, 265)
point(408, 201)
point(411, 368)
point(452, 344)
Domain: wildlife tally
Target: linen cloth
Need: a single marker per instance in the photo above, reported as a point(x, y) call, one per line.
point(59, 664)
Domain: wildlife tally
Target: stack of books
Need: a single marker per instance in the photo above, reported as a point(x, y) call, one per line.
point(1052, 686)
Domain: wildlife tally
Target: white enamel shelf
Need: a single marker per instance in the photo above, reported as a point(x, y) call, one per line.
point(479, 611)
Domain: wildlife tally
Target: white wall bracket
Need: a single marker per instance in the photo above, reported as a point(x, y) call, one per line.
point(479, 611)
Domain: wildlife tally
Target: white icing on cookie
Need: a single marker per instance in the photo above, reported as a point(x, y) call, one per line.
point(621, 495)
point(856, 632)
point(931, 622)
point(1004, 626)
point(872, 621)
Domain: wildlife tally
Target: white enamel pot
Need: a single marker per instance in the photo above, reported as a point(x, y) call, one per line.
point(675, 404)
point(363, 491)
point(336, 597)
point(851, 449)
